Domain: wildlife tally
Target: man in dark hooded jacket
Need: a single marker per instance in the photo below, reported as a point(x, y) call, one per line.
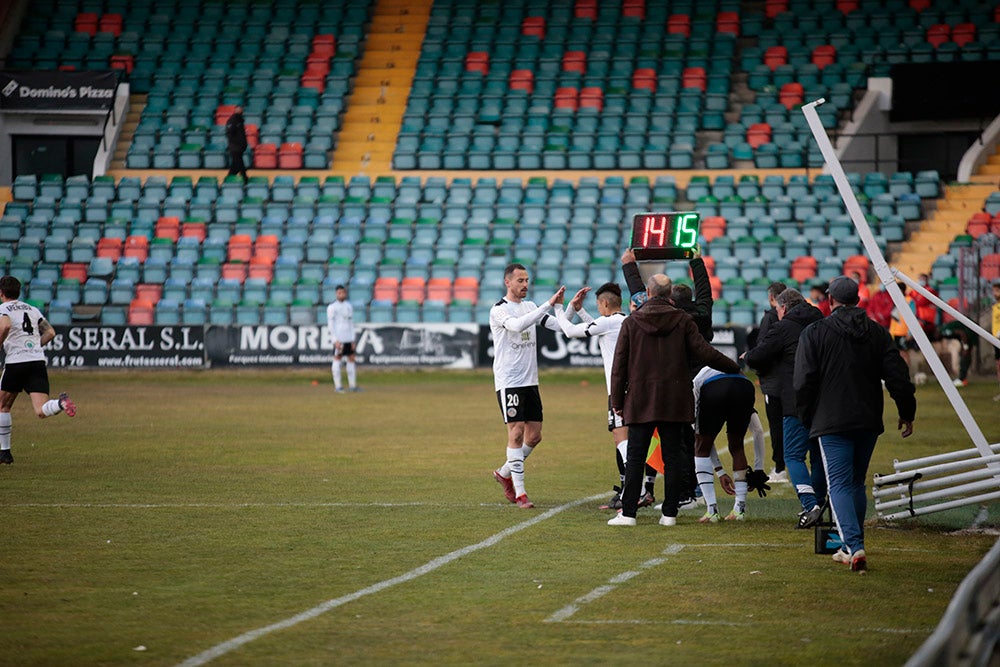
point(774, 355)
point(651, 389)
point(236, 138)
point(840, 365)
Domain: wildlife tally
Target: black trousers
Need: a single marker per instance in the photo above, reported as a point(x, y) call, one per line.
point(236, 165)
point(671, 445)
point(775, 419)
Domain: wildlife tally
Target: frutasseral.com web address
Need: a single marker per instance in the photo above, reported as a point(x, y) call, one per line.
point(129, 361)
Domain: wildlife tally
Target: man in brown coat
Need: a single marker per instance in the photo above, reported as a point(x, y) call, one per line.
point(651, 389)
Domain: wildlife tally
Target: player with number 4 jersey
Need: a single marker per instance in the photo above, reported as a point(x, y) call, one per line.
point(24, 331)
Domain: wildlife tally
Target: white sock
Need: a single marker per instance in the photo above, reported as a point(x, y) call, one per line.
point(526, 450)
point(740, 482)
point(623, 449)
point(515, 464)
point(335, 369)
point(50, 408)
point(705, 473)
point(4, 430)
point(352, 374)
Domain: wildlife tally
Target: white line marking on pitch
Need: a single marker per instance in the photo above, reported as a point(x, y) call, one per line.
point(612, 584)
point(247, 637)
point(143, 506)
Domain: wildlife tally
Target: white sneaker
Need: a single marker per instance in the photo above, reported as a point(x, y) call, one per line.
point(778, 477)
point(668, 521)
point(621, 520)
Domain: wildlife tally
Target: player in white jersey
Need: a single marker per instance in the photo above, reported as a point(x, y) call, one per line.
point(605, 328)
point(23, 333)
point(515, 374)
point(340, 321)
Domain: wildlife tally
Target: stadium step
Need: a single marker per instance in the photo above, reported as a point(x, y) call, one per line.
point(136, 104)
point(375, 112)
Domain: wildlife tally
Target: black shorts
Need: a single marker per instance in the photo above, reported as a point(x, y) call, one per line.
point(29, 376)
point(520, 404)
point(614, 420)
point(346, 349)
point(726, 401)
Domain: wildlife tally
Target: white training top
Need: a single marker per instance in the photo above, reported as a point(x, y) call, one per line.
point(340, 321)
point(605, 328)
point(515, 357)
point(24, 342)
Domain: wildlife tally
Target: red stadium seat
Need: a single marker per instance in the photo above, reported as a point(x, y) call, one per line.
point(978, 224)
point(585, 9)
point(111, 23)
point(774, 7)
point(413, 288)
point(234, 271)
point(791, 95)
point(141, 312)
point(775, 56)
point(847, 6)
point(522, 79)
point(728, 23)
point(634, 9)
point(919, 5)
point(290, 156)
point(758, 134)
point(109, 247)
point(824, 55)
point(199, 230)
point(265, 156)
point(439, 289)
point(265, 249)
point(149, 293)
point(86, 22)
point(477, 61)
point(533, 26)
point(989, 268)
point(240, 248)
point(803, 268)
point(713, 227)
point(386, 289)
point(938, 34)
point(963, 33)
point(260, 268)
point(167, 228)
point(679, 24)
point(74, 271)
point(694, 77)
point(136, 246)
point(466, 288)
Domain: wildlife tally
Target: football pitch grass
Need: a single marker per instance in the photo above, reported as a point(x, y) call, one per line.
point(257, 518)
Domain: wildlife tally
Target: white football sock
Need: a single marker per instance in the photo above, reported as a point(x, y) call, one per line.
point(705, 473)
point(4, 430)
point(515, 464)
point(352, 374)
point(50, 408)
point(335, 369)
point(740, 482)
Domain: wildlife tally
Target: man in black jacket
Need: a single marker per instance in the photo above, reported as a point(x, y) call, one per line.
point(236, 138)
point(699, 306)
point(774, 355)
point(770, 386)
point(839, 368)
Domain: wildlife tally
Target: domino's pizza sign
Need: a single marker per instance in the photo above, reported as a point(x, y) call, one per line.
point(54, 90)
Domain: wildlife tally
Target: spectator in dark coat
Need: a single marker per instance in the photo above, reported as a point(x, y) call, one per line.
point(775, 356)
point(236, 143)
point(770, 386)
point(699, 306)
point(840, 365)
point(651, 388)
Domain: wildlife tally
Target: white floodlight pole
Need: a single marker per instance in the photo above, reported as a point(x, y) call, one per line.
point(887, 276)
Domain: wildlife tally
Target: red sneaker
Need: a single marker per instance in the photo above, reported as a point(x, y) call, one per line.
point(508, 485)
point(523, 502)
point(68, 406)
